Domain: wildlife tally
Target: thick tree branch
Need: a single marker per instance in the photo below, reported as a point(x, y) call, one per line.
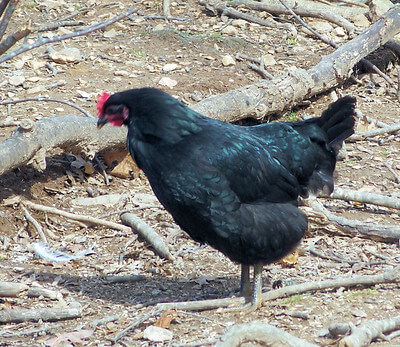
point(285, 91)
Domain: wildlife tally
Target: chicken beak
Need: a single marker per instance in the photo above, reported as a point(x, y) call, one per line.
point(101, 122)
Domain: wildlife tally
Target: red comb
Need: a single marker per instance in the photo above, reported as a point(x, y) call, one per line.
point(101, 99)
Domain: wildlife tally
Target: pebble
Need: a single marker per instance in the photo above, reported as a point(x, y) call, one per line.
point(229, 30)
point(227, 60)
point(66, 55)
point(156, 334)
point(16, 80)
point(170, 67)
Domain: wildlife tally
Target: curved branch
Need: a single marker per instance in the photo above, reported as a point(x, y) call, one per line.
point(42, 41)
point(40, 98)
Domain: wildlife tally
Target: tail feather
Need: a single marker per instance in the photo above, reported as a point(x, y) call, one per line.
point(338, 121)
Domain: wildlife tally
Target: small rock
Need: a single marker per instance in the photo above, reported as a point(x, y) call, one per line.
point(227, 60)
point(322, 27)
point(121, 73)
point(269, 60)
point(37, 89)
point(360, 20)
point(16, 80)
point(170, 67)
point(358, 313)
point(66, 55)
point(262, 38)
point(323, 333)
point(110, 33)
point(84, 94)
point(229, 30)
point(168, 82)
point(158, 27)
point(339, 31)
point(157, 334)
point(239, 23)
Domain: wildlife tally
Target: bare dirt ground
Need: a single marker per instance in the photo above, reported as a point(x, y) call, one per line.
point(133, 53)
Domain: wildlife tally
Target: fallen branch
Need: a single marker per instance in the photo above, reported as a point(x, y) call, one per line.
point(81, 218)
point(369, 331)
point(42, 40)
point(148, 233)
point(140, 320)
point(44, 314)
point(365, 198)
point(40, 99)
point(348, 227)
point(71, 133)
point(390, 276)
point(276, 9)
point(35, 224)
point(262, 334)
point(285, 91)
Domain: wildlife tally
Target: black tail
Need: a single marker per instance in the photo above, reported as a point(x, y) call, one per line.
point(338, 121)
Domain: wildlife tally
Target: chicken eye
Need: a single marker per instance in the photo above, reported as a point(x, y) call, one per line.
point(113, 109)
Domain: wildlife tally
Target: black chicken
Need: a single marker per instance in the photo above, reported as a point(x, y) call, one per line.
point(232, 187)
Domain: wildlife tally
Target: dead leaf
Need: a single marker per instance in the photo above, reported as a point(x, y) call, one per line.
point(166, 318)
point(290, 260)
point(76, 337)
point(124, 164)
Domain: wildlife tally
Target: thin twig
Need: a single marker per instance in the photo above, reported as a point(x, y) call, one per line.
point(60, 23)
point(81, 218)
point(148, 233)
point(42, 41)
point(103, 172)
point(7, 16)
point(35, 223)
point(138, 321)
point(313, 251)
point(262, 72)
point(365, 198)
point(334, 45)
point(40, 98)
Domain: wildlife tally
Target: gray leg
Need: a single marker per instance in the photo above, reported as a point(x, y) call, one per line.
point(257, 290)
point(245, 286)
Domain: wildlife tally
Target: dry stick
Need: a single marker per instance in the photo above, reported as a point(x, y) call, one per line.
point(81, 218)
point(42, 41)
point(60, 23)
point(3, 5)
point(103, 172)
point(7, 16)
point(334, 45)
point(148, 233)
point(388, 129)
point(394, 173)
point(230, 12)
point(37, 332)
point(365, 198)
point(364, 334)
point(348, 227)
point(140, 320)
point(36, 225)
point(261, 71)
point(313, 251)
point(390, 276)
point(44, 314)
point(40, 98)
point(276, 9)
point(103, 321)
point(288, 89)
point(12, 39)
point(261, 333)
